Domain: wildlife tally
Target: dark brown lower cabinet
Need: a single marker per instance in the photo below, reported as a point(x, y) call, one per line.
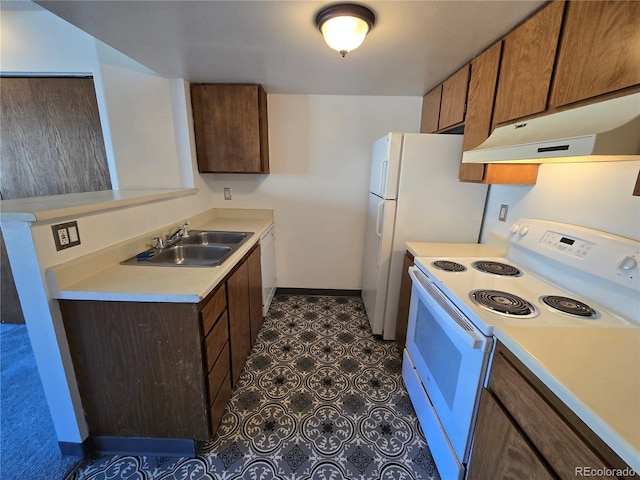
point(162, 370)
point(500, 451)
point(524, 431)
point(402, 319)
point(140, 368)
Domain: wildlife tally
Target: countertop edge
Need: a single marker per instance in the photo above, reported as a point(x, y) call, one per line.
point(38, 209)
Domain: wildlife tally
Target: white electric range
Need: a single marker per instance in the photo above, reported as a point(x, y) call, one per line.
point(553, 275)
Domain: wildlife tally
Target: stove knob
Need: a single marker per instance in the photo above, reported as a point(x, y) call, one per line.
point(627, 263)
point(523, 231)
point(514, 228)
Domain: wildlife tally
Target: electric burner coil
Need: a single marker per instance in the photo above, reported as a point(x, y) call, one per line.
point(497, 268)
point(504, 303)
point(569, 306)
point(449, 266)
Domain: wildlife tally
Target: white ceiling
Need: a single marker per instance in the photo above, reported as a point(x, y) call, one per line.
point(413, 46)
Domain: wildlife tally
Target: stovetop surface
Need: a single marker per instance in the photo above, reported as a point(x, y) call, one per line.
point(458, 286)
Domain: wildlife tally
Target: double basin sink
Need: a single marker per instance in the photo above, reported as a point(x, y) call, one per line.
point(201, 248)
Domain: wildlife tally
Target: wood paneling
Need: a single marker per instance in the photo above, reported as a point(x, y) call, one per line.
point(482, 92)
point(230, 125)
point(51, 144)
point(10, 309)
point(454, 98)
point(599, 50)
point(499, 450)
point(139, 368)
point(404, 301)
point(51, 138)
point(255, 292)
point(239, 319)
point(431, 110)
point(527, 64)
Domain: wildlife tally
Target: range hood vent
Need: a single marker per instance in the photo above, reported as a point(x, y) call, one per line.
point(601, 132)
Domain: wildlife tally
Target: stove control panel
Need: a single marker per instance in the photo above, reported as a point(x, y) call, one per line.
point(604, 255)
point(568, 245)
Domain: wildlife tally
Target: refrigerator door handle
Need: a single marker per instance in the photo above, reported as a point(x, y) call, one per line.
point(379, 217)
point(384, 172)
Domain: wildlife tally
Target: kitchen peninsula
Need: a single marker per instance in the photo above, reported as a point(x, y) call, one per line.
point(135, 337)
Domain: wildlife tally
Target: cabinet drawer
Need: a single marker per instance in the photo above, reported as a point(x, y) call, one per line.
point(219, 403)
point(216, 340)
point(213, 309)
point(218, 373)
point(558, 443)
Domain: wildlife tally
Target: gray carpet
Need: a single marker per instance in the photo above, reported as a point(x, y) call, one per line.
point(29, 446)
point(319, 398)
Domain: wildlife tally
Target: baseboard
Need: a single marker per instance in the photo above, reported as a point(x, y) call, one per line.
point(327, 292)
point(171, 447)
point(70, 449)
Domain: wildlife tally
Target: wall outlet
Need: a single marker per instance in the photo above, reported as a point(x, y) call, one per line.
point(66, 235)
point(227, 193)
point(502, 216)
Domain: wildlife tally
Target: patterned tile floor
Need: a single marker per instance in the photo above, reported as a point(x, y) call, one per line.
point(319, 398)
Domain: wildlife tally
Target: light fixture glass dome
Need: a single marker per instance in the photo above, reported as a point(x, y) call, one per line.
point(344, 26)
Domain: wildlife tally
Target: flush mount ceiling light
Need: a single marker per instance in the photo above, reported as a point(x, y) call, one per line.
point(345, 25)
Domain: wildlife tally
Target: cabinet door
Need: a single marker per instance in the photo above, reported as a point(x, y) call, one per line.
point(499, 450)
point(527, 64)
point(599, 52)
point(404, 301)
point(454, 98)
point(255, 291)
point(431, 110)
point(482, 89)
point(239, 319)
point(139, 367)
point(230, 125)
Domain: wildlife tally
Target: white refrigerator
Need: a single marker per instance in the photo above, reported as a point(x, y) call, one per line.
point(414, 196)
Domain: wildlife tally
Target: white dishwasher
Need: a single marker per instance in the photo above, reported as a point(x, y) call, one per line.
point(268, 264)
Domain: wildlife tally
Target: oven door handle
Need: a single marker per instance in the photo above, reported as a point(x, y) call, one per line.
point(467, 331)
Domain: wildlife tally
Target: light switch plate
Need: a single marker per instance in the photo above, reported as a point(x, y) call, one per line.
point(66, 235)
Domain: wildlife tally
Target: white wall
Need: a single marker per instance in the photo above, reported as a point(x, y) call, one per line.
point(320, 151)
point(137, 116)
point(593, 195)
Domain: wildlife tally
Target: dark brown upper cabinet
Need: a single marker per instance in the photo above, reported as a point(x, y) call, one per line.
point(598, 51)
point(528, 57)
point(454, 99)
point(482, 89)
point(230, 125)
point(431, 110)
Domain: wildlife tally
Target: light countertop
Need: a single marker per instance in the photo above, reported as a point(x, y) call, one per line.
point(50, 207)
point(495, 246)
point(420, 249)
point(99, 276)
point(594, 371)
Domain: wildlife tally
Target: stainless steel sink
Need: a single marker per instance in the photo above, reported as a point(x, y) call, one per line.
point(202, 248)
point(207, 237)
point(192, 255)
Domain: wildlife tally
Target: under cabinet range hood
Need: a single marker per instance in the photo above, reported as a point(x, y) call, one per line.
point(600, 132)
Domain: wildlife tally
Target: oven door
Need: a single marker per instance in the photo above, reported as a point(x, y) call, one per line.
point(450, 356)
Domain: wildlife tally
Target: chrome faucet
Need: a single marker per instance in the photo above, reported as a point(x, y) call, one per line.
point(182, 231)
